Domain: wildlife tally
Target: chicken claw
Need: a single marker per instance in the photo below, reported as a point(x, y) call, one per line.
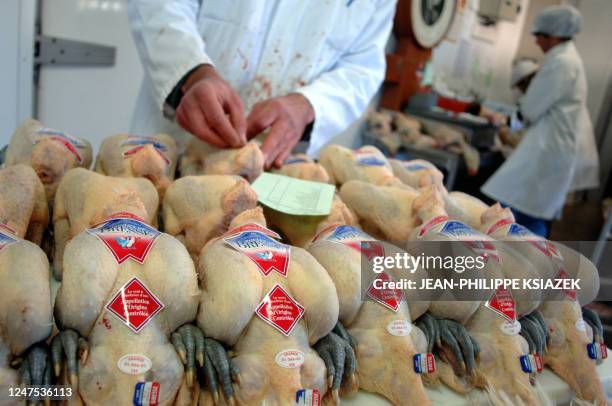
point(35, 369)
point(212, 358)
point(534, 333)
point(429, 325)
point(455, 336)
point(341, 331)
point(593, 320)
point(67, 343)
point(339, 357)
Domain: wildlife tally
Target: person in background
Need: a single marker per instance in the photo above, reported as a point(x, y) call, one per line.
point(548, 162)
point(302, 70)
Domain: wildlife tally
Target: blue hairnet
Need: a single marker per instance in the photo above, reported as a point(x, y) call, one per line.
point(558, 21)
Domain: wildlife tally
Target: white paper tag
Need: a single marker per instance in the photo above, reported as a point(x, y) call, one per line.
point(580, 325)
point(134, 364)
point(399, 328)
point(290, 358)
point(510, 328)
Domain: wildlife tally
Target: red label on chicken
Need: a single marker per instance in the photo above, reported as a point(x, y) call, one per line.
point(126, 236)
point(380, 292)
point(358, 240)
point(5, 238)
point(431, 224)
point(280, 310)
point(561, 275)
point(480, 244)
point(502, 303)
point(138, 143)
point(268, 254)
point(70, 143)
point(545, 246)
point(252, 227)
point(135, 305)
point(498, 225)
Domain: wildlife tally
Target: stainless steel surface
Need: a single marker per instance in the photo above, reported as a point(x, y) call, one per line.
point(60, 51)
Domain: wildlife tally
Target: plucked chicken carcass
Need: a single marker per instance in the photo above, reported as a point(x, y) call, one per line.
point(379, 127)
point(382, 327)
point(50, 152)
point(302, 167)
point(85, 198)
point(449, 138)
point(494, 324)
point(126, 287)
point(367, 164)
point(384, 212)
point(23, 205)
point(201, 158)
point(26, 315)
point(270, 302)
point(300, 230)
point(199, 208)
point(567, 329)
point(409, 129)
point(151, 157)
point(416, 173)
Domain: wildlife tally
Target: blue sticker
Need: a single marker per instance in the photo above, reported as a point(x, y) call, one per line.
point(526, 364)
point(146, 394)
point(308, 397)
point(296, 160)
point(424, 363)
point(517, 230)
point(414, 166)
point(6, 240)
point(144, 141)
point(458, 230)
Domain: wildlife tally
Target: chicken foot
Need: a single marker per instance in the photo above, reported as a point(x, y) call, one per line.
point(592, 319)
point(535, 331)
point(215, 366)
point(340, 360)
point(69, 345)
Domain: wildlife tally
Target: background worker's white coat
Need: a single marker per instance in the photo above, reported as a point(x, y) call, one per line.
point(331, 51)
point(537, 176)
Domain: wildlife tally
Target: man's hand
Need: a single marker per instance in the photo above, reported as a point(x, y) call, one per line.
point(205, 107)
point(286, 117)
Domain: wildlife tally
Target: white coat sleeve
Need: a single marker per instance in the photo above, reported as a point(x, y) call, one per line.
point(341, 95)
point(168, 41)
point(548, 86)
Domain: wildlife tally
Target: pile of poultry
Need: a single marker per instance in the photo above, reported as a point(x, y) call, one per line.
point(187, 292)
point(394, 129)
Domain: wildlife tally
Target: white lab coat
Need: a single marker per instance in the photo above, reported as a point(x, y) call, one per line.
point(537, 176)
point(331, 51)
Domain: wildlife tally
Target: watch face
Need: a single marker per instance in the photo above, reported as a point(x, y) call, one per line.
point(431, 10)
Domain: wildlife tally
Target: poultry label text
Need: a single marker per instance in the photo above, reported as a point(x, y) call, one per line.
point(135, 305)
point(70, 143)
point(479, 244)
point(531, 363)
point(388, 297)
point(290, 359)
point(502, 303)
point(280, 310)
point(358, 240)
point(146, 394)
point(126, 238)
point(424, 363)
point(269, 255)
point(308, 397)
point(252, 227)
point(6, 240)
point(134, 364)
point(138, 143)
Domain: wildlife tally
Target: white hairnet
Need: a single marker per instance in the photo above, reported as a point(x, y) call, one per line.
point(521, 70)
point(558, 21)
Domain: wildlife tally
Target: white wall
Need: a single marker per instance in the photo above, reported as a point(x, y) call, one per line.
point(17, 52)
point(466, 62)
point(92, 102)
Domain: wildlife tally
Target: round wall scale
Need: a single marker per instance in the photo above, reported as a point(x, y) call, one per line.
point(431, 20)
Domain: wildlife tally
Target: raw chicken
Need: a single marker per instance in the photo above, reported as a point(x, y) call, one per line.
point(302, 167)
point(383, 330)
point(241, 307)
point(409, 130)
point(199, 208)
point(367, 164)
point(85, 198)
point(23, 205)
point(379, 127)
point(152, 157)
point(417, 173)
point(50, 152)
point(26, 315)
point(300, 230)
point(450, 138)
point(384, 212)
point(204, 159)
point(564, 327)
point(126, 287)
